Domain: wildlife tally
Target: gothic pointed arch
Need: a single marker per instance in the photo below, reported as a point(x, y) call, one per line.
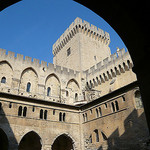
point(6, 73)
point(73, 80)
point(29, 76)
point(73, 90)
point(30, 141)
point(52, 85)
point(63, 142)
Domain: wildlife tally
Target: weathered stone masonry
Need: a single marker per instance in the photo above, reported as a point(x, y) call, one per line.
point(86, 102)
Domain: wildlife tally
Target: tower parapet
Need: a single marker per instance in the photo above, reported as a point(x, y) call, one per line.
point(77, 26)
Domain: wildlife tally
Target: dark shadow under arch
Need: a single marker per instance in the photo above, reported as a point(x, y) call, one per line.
point(3, 140)
point(30, 141)
point(63, 142)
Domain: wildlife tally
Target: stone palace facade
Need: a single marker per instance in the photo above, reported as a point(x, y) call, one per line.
point(88, 99)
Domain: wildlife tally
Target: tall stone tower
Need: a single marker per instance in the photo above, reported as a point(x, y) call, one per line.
point(81, 46)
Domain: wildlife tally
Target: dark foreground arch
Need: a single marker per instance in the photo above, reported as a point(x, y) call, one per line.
point(63, 142)
point(30, 141)
point(3, 140)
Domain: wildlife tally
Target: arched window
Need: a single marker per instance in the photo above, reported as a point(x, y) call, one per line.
point(24, 111)
point(138, 100)
point(41, 114)
point(48, 91)
point(10, 105)
point(3, 80)
point(20, 111)
point(97, 135)
point(28, 87)
point(117, 106)
point(97, 114)
point(67, 93)
point(113, 107)
point(64, 117)
point(76, 96)
point(100, 111)
point(45, 114)
point(83, 118)
point(60, 116)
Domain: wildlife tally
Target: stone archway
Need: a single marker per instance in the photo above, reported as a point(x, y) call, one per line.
point(3, 140)
point(30, 141)
point(63, 142)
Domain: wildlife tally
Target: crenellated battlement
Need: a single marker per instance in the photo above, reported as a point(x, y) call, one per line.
point(117, 63)
point(83, 26)
point(26, 60)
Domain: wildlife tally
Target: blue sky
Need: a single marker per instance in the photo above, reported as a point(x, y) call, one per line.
point(31, 27)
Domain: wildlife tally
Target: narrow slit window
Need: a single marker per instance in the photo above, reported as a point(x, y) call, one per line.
point(97, 135)
point(24, 111)
point(117, 105)
point(28, 87)
point(20, 111)
point(41, 114)
point(48, 91)
point(45, 114)
point(113, 107)
point(60, 116)
point(64, 117)
point(68, 51)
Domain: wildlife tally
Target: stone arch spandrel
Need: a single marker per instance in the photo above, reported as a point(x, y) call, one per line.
point(29, 75)
point(6, 71)
point(53, 82)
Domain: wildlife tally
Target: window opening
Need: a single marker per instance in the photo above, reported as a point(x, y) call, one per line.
point(117, 106)
point(64, 117)
point(90, 139)
point(33, 109)
point(76, 96)
point(138, 100)
point(20, 111)
point(48, 91)
point(67, 93)
point(97, 115)
point(100, 111)
point(68, 51)
point(123, 98)
point(45, 114)
point(54, 112)
point(28, 87)
point(97, 135)
point(24, 111)
point(113, 107)
point(86, 119)
point(10, 105)
point(3, 80)
point(60, 116)
point(41, 114)
point(83, 118)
